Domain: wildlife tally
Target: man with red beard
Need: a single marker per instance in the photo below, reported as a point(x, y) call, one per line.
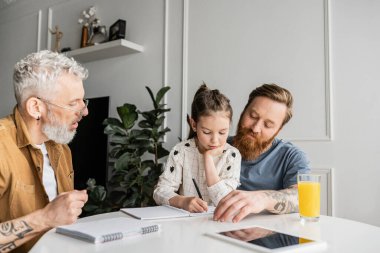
point(36, 175)
point(269, 165)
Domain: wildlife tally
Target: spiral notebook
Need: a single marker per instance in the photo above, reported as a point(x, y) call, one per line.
point(105, 230)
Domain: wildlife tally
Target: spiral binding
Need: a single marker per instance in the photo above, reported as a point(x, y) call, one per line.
point(117, 236)
point(149, 229)
point(112, 237)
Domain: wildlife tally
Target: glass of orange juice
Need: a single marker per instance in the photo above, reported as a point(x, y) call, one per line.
point(309, 196)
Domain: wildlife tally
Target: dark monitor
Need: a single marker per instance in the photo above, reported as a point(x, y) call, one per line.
point(89, 147)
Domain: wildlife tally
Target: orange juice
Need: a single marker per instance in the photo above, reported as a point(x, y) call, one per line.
point(309, 199)
point(303, 240)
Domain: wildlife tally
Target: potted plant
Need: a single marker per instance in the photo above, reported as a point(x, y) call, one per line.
point(136, 147)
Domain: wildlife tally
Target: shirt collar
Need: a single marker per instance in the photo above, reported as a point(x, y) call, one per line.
point(22, 135)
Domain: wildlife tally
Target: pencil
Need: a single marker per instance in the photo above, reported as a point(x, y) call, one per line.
point(196, 188)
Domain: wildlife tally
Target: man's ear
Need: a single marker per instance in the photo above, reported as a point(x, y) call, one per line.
point(33, 107)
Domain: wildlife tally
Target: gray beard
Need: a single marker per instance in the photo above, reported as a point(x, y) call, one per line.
point(57, 132)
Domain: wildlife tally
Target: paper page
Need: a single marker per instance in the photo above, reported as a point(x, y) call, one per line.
point(155, 212)
point(210, 210)
point(162, 212)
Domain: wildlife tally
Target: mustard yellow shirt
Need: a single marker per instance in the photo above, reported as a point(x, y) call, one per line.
point(21, 168)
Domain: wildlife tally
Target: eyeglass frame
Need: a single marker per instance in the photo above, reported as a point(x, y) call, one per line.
point(85, 101)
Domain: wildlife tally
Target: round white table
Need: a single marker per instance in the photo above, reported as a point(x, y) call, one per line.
point(182, 235)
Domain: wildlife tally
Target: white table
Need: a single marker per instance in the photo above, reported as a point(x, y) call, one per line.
point(184, 235)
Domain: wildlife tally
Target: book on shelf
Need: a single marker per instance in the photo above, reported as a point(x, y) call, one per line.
point(163, 212)
point(100, 231)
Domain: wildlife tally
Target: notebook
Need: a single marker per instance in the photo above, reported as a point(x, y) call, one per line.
point(162, 212)
point(105, 230)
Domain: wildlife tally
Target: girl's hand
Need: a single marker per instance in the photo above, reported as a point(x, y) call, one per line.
point(214, 151)
point(212, 176)
point(191, 204)
point(194, 205)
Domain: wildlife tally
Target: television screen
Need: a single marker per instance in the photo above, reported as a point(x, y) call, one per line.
point(89, 148)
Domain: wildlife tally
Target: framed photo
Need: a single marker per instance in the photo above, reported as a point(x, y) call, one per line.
point(117, 30)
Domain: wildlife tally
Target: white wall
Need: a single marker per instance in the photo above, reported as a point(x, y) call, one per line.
point(354, 153)
point(240, 45)
point(353, 150)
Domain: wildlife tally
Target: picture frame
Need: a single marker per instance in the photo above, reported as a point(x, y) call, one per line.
point(117, 30)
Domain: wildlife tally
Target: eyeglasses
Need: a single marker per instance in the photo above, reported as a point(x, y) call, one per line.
point(85, 101)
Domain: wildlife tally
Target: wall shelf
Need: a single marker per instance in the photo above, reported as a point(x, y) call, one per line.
point(105, 50)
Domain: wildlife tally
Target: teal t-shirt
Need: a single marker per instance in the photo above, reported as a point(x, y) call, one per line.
point(275, 169)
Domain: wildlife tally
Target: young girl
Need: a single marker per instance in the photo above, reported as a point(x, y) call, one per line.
point(204, 161)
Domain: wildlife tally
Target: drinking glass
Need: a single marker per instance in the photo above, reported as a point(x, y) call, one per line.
point(309, 196)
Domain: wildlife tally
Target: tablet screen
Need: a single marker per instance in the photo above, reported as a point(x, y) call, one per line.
point(266, 238)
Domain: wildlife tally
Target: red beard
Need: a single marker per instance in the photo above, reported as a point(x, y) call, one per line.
point(250, 145)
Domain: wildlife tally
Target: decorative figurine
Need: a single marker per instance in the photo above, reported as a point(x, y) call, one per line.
point(58, 36)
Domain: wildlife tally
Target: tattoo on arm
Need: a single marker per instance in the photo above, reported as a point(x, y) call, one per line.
point(286, 201)
point(10, 232)
point(17, 228)
point(7, 247)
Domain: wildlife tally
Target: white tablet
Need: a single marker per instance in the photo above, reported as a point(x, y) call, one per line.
point(267, 240)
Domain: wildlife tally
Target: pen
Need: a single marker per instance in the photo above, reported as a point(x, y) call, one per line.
point(196, 188)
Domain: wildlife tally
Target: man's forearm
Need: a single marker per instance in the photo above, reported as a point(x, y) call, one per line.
point(15, 232)
point(283, 201)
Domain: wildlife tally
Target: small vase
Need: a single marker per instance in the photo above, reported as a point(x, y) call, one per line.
point(84, 38)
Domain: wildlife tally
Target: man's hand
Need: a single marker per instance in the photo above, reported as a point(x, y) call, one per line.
point(238, 204)
point(191, 204)
point(65, 208)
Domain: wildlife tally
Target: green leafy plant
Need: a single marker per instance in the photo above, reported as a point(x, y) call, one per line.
point(97, 200)
point(137, 147)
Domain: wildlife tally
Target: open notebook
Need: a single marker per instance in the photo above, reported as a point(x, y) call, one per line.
point(162, 212)
point(100, 231)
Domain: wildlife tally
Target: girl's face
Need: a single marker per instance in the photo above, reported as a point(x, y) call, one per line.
point(212, 131)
